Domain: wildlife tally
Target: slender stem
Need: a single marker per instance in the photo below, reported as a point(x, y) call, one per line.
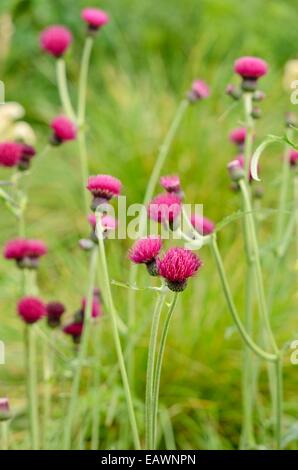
point(153, 180)
point(149, 419)
point(230, 302)
point(32, 385)
point(4, 434)
point(96, 384)
point(158, 368)
point(82, 352)
point(47, 377)
point(257, 262)
point(284, 189)
point(63, 89)
point(279, 401)
point(84, 165)
point(83, 79)
point(249, 122)
point(110, 303)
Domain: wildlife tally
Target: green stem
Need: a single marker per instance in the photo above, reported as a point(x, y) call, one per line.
point(149, 419)
point(82, 352)
point(279, 401)
point(4, 435)
point(110, 304)
point(32, 385)
point(153, 180)
point(47, 377)
point(283, 195)
point(83, 79)
point(158, 368)
point(63, 89)
point(96, 384)
point(84, 165)
point(230, 302)
point(247, 99)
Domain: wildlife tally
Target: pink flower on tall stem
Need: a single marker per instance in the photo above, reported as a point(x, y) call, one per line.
point(96, 310)
point(25, 252)
point(103, 188)
point(171, 183)
point(145, 251)
point(55, 40)
point(199, 91)
point(165, 208)
point(202, 225)
point(250, 69)
point(63, 130)
point(10, 153)
point(177, 265)
point(94, 18)
point(28, 152)
point(31, 309)
point(293, 157)
point(75, 330)
point(55, 311)
point(238, 136)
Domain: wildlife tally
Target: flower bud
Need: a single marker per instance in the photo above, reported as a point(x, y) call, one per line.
point(235, 170)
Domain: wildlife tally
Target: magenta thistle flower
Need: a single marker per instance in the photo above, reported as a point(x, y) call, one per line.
point(28, 152)
point(63, 130)
point(55, 311)
point(165, 208)
point(25, 252)
point(171, 183)
point(55, 40)
point(250, 69)
point(202, 225)
point(103, 188)
point(177, 265)
point(145, 251)
point(238, 136)
point(199, 91)
point(10, 153)
point(108, 222)
point(96, 307)
point(74, 330)
point(235, 169)
point(31, 309)
point(293, 157)
point(94, 18)
point(5, 413)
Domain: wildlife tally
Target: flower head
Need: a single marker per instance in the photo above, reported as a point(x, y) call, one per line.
point(55, 311)
point(171, 183)
point(293, 157)
point(145, 251)
point(107, 221)
point(63, 130)
point(75, 330)
point(94, 18)
point(5, 413)
point(28, 152)
point(31, 309)
point(10, 153)
point(202, 225)
point(55, 40)
point(25, 252)
point(177, 265)
point(235, 169)
point(165, 208)
point(250, 69)
point(238, 136)
point(96, 310)
point(199, 90)
point(103, 188)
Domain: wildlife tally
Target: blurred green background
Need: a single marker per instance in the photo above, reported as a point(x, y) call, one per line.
point(142, 65)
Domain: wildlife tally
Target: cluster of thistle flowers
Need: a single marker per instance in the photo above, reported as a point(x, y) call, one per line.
point(251, 69)
point(177, 264)
point(27, 253)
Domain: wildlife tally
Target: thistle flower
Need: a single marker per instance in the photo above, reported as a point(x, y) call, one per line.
point(103, 188)
point(94, 18)
point(28, 152)
point(75, 330)
point(55, 311)
point(55, 40)
point(10, 153)
point(235, 169)
point(293, 157)
point(171, 184)
point(177, 265)
point(25, 252)
point(202, 225)
point(199, 91)
point(107, 222)
point(233, 91)
point(63, 130)
point(96, 307)
point(165, 208)
point(237, 136)
point(145, 251)
point(31, 309)
point(5, 413)
point(250, 69)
